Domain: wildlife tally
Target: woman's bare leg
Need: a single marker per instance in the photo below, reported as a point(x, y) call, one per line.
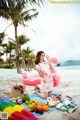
point(49, 94)
point(42, 95)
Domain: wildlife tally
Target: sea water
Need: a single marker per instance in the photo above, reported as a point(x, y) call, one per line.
point(73, 67)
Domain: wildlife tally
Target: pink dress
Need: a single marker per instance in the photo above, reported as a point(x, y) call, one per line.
point(47, 82)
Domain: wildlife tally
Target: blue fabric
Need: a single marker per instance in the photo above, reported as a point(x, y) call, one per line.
point(36, 97)
point(4, 100)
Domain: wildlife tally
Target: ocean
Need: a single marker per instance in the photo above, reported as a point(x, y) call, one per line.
point(68, 67)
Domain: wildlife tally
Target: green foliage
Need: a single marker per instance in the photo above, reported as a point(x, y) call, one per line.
point(9, 3)
point(1, 61)
point(22, 39)
point(11, 45)
point(1, 53)
point(16, 12)
point(2, 35)
point(6, 66)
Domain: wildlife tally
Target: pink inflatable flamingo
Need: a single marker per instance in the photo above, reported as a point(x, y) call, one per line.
point(36, 79)
point(54, 60)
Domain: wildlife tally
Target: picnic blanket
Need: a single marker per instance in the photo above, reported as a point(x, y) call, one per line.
point(36, 97)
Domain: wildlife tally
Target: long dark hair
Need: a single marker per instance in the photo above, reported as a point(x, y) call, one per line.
point(38, 57)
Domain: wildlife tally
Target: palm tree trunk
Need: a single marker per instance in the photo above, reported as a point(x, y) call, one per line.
point(20, 49)
point(17, 52)
point(6, 56)
point(23, 63)
point(10, 59)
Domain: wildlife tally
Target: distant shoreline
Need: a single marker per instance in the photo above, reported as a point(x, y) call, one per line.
point(72, 67)
point(57, 67)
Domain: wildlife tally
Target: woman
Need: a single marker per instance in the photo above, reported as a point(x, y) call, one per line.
point(44, 69)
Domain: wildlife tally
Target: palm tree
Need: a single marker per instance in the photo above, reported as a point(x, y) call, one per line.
point(1, 60)
point(14, 11)
point(22, 39)
point(10, 47)
point(6, 3)
point(23, 53)
point(6, 50)
point(1, 54)
point(31, 58)
point(2, 36)
point(26, 57)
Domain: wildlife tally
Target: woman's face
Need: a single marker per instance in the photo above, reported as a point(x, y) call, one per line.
point(42, 57)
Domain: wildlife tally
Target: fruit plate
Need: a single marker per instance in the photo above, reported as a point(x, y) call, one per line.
point(38, 114)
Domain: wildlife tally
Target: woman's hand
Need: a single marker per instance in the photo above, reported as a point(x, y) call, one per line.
point(41, 73)
point(48, 58)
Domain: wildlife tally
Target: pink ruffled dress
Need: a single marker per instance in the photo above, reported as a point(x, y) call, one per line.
point(47, 82)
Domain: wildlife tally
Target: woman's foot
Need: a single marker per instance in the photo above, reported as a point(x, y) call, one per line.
point(36, 92)
point(37, 89)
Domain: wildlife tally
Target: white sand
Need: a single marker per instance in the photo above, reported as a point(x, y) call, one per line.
point(69, 85)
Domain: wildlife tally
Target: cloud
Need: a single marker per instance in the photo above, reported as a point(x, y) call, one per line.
point(58, 31)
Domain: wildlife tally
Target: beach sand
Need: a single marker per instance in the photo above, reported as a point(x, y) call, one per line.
point(69, 85)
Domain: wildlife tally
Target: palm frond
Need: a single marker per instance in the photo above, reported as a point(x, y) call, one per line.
point(28, 11)
point(30, 17)
point(3, 4)
point(10, 3)
point(12, 40)
point(7, 27)
point(4, 14)
point(3, 45)
point(22, 39)
point(30, 28)
point(37, 2)
point(20, 5)
point(2, 36)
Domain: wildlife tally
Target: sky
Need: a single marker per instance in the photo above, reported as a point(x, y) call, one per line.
point(57, 31)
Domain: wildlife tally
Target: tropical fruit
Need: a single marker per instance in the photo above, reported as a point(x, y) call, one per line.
point(40, 107)
point(26, 98)
point(45, 108)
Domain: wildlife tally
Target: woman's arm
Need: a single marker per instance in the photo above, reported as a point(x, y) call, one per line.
point(41, 73)
point(48, 59)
